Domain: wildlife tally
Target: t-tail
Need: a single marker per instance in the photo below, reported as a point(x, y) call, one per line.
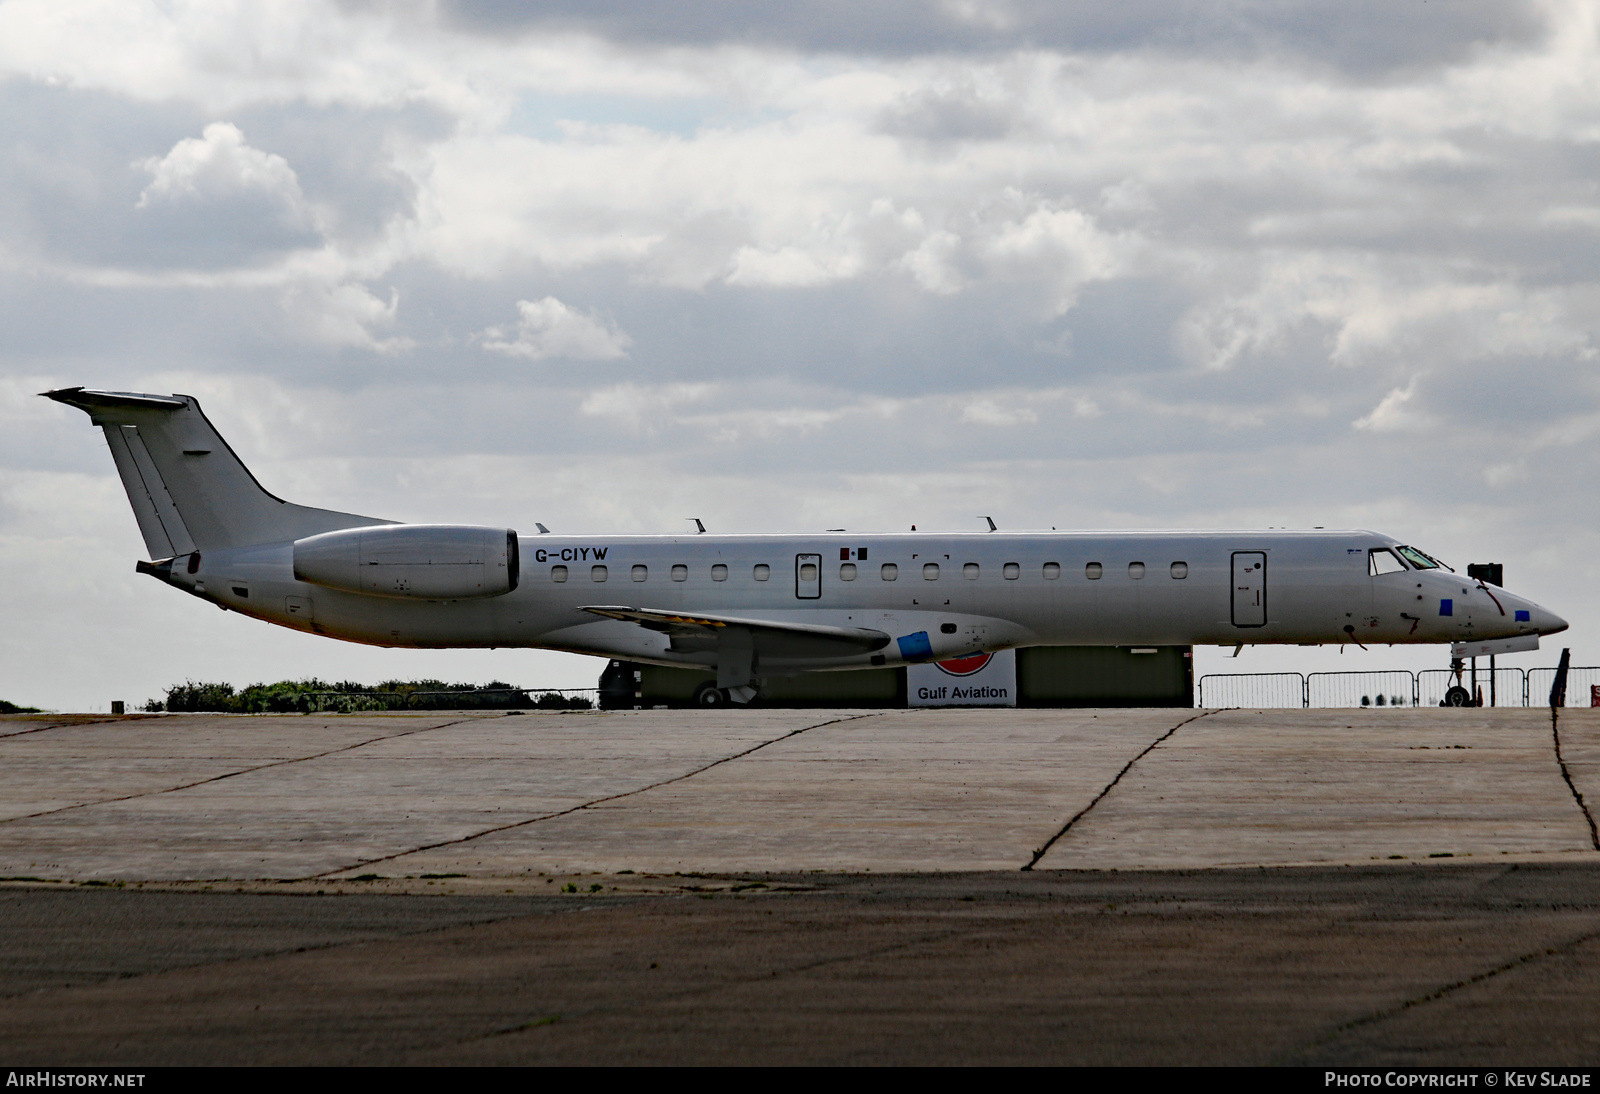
point(189, 491)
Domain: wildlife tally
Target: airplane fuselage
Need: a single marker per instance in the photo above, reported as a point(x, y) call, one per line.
point(965, 592)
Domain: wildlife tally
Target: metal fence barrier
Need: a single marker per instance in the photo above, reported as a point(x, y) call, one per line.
point(1393, 688)
point(1581, 683)
point(1253, 689)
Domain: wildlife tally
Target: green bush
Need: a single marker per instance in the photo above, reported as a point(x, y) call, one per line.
point(315, 696)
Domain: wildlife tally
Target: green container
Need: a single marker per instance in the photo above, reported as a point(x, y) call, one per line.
point(859, 687)
point(1105, 676)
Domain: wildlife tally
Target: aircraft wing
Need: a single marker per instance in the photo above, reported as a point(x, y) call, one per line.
point(770, 637)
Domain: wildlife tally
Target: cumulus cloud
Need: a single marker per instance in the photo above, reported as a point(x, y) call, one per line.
point(214, 200)
point(547, 328)
point(1395, 412)
point(343, 315)
point(990, 412)
point(219, 164)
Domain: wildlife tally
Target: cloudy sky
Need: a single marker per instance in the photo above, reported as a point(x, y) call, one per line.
point(608, 265)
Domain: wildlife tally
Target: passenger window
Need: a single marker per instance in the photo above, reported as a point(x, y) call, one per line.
point(1052, 571)
point(597, 573)
point(889, 571)
point(1012, 571)
point(762, 571)
point(719, 572)
point(1382, 561)
point(970, 571)
point(930, 571)
point(808, 571)
point(558, 573)
point(1093, 571)
point(1136, 570)
point(847, 571)
point(641, 573)
point(680, 572)
point(1180, 570)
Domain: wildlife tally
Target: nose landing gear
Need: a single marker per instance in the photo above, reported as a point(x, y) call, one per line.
point(1457, 695)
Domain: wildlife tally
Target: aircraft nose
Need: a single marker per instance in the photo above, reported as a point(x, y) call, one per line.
point(1544, 620)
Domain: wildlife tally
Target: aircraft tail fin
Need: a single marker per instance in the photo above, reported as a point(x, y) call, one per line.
point(188, 489)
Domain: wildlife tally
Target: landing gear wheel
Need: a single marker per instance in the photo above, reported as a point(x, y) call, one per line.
point(707, 695)
point(1457, 696)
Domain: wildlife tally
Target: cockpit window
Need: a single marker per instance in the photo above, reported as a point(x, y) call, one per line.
point(1381, 560)
point(1419, 560)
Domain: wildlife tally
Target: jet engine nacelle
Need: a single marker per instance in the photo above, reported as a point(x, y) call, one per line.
point(420, 561)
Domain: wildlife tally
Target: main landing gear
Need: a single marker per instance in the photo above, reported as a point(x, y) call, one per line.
point(709, 695)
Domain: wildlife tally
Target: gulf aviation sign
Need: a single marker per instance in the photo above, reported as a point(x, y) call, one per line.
point(982, 680)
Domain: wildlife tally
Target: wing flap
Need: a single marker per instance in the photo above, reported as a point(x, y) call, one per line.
point(772, 638)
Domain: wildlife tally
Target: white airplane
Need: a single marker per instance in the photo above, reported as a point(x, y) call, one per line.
point(756, 606)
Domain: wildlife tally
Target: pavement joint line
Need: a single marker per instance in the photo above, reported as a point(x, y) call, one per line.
point(73, 725)
point(1577, 795)
point(557, 907)
point(1448, 989)
point(595, 801)
point(1040, 853)
point(228, 775)
point(931, 938)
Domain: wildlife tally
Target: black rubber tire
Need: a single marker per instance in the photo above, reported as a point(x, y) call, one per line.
point(1457, 696)
point(709, 697)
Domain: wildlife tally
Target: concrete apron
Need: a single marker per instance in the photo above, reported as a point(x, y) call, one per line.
point(525, 796)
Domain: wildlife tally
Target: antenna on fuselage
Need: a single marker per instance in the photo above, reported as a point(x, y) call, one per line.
point(543, 531)
point(700, 529)
point(992, 528)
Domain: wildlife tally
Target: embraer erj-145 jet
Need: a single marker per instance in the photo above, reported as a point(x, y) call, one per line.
point(756, 606)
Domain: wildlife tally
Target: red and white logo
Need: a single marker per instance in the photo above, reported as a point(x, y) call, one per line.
point(964, 666)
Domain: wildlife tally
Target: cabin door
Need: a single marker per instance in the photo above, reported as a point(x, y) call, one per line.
point(808, 576)
point(1249, 588)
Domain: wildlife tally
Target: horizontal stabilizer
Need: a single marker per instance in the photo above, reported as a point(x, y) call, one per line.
point(772, 638)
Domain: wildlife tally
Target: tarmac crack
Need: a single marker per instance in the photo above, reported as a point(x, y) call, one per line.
point(594, 802)
point(1080, 814)
point(1577, 795)
point(799, 969)
point(1444, 992)
point(75, 725)
point(227, 775)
